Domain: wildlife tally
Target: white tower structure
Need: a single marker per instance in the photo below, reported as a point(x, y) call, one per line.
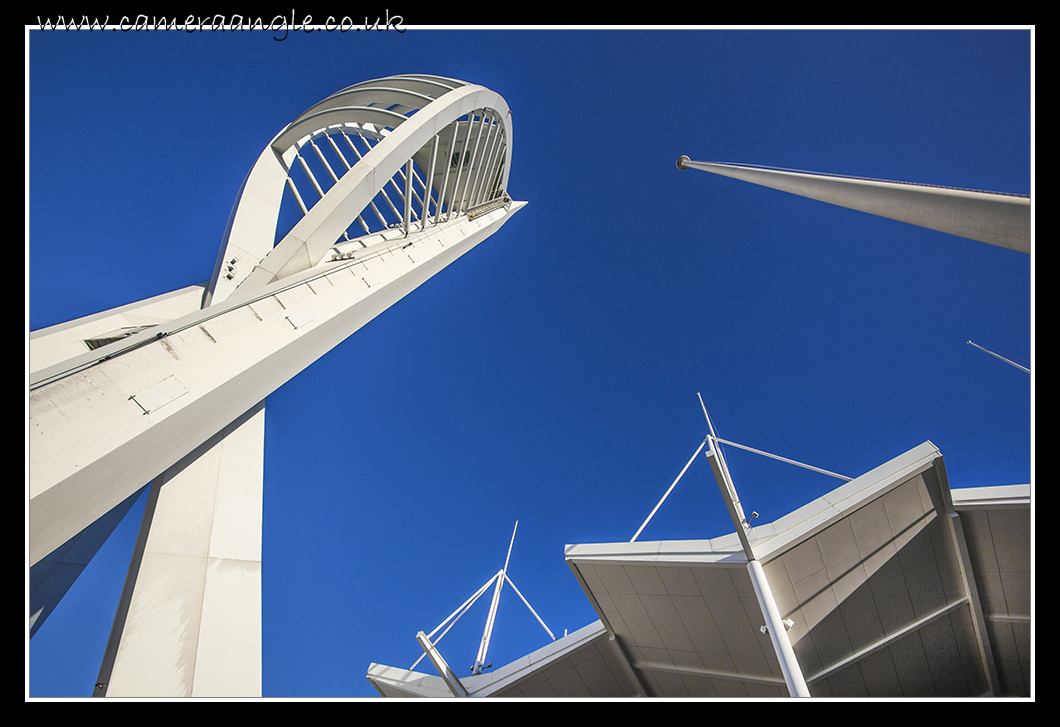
point(408, 173)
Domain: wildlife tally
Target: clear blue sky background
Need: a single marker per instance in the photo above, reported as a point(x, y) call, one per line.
point(550, 376)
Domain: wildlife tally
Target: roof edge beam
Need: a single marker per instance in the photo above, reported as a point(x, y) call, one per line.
point(971, 589)
point(982, 635)
point(627, 665)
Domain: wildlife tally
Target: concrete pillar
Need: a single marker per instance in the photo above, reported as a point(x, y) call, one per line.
point(189, 620)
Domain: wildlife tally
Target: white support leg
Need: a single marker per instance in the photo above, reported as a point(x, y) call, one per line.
point(451, 680)
point(189, 622)
point(778, 634)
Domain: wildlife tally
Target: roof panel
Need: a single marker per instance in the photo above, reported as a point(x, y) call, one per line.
point(872, 575)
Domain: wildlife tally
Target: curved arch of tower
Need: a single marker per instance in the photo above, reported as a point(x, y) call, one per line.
point(405, 152)
point(393, 179)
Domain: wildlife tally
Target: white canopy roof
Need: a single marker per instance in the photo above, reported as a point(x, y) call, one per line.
point(895, 587)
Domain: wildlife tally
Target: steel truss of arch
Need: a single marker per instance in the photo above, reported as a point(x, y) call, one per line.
point(393, 179)
point(403, 152)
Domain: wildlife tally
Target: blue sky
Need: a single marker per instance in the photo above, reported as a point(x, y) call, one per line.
point(550, 376)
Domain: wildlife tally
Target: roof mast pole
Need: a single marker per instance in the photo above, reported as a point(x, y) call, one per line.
point(477, 669)
point(997, 355)
point(995, 218)
point(775, 626)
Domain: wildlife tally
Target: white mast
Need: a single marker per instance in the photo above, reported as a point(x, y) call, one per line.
point(488, 631)
point(430, 647)
point(997, 355)
point(991, 217)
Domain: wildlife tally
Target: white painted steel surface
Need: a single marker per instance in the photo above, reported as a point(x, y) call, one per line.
point(143, 392)
point(585, 664)
point(994, 218)
point(189, 624)
point(451, 681)
point(888, 591)
point(778, 632)
point(91, 444)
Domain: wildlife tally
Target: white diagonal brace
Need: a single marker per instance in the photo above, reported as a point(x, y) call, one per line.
point(451, 681)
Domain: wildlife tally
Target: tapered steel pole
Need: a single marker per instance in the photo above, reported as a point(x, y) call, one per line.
point(991, 217)
point(488, 632)
point(778, 633)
